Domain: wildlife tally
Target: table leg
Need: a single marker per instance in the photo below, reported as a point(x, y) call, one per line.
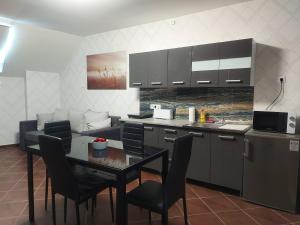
point(121, 212)
point(165, 166)
point(30, 186)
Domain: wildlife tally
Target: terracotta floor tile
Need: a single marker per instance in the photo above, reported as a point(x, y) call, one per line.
point(15, 196)
point(220, 204)
point(290, 216)
point(11, 177)
point(11, 209)
point(190, 192)
point(7, 221)
point(5, 186)
point(204, 219)
point(195, 206)
point(203, 192)
point(266, 216)
point(243, 204)
point(2, 195)
point(236, 218)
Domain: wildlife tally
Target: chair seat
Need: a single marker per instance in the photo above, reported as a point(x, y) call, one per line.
point(148, 195)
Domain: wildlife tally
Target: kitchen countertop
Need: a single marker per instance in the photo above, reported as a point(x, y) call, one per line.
point(230, 128)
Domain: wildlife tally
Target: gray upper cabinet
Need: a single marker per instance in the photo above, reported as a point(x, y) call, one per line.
point(138, 64)
point(199, 165)
point(157, 69)
point(227, 160)
point(236, 60)
point(205, 65)
point(179, 67)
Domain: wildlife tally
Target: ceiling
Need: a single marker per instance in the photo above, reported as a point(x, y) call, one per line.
point(87, 17)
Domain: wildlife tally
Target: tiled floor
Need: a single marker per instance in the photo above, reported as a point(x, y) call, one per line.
point(205, 206)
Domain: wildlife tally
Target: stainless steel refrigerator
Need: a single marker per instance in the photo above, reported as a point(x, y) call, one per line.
point(271, 170)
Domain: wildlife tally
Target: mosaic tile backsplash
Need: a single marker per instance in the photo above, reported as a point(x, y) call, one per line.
point(228, 103)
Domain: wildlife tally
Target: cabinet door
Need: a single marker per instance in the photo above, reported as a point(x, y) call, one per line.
point(179, 67)
point(205, 65)
point(138, 70)
point(235, 77)
point(199, 166)
point(236, 49)
point(151, 139)
point(227, 160)
point(157, 69)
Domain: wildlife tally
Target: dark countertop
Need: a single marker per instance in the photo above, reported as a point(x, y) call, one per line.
point(185, 124)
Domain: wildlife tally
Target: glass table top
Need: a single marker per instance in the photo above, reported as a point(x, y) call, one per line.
point(114, 156)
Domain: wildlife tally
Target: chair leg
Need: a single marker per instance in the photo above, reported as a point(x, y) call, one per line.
point(165, 217)
point(93, 205)
point(140, 177)
point(87, 204)
point(53, 208)
point(149, 213)
point(185, 210)
point(77, 213)
point(95, 201)
point(65, 209)
point(112, 204)
point(46, 190)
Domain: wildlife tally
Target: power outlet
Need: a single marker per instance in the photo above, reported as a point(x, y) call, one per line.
point(283, 78)
point(155, 106)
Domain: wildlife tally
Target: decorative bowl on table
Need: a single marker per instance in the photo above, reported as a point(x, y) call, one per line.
point(100, 144)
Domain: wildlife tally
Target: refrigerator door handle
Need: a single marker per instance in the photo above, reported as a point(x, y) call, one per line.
point(247, 148)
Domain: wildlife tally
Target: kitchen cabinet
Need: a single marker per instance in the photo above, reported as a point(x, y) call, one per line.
point(148, 70)
point(179, 67)
point(236, 63)
point(205, 65)
point(199, 165)
point(137, 69)
point(235, 77)
point(157, 69)
point(151, 134)
point(227, 160)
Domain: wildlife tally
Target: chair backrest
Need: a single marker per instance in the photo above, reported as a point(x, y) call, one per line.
point(60, 129)
point(174, 187)
point(62, 177)
point(133, 137)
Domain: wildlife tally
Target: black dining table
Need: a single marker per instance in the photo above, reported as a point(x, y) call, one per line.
point(114, 159)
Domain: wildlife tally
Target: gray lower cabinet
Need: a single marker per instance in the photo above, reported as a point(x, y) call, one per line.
point(137, 69)
point(235, 77)
point(179, 67)
point(199, 166)
point(151, 134)
point(227, 160)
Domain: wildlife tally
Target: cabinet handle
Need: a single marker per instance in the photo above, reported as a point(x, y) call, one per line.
point(203, 81)
point(178, 82)
point(156, 83)
point(169, 139)
point(137, 84)
point(231, 138)
point(246, 153)
point(148, 128)
point(197, 134)
point(233, 81)
point(170, 131)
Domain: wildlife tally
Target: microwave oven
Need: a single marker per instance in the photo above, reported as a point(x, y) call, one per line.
point(281, 122)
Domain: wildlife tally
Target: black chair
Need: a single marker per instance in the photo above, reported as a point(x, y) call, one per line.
point(158, 197)
point(60, 129)
point(133, 138)
point(79, 187)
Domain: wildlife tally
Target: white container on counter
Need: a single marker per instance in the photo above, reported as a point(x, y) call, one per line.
point(192, 113)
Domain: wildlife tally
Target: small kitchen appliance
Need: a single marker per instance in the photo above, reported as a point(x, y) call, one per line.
point(166, 114)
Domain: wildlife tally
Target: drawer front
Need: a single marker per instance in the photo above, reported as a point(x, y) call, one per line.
point(205, 78)
point(227, 160)
point(234, 77)
point(151, 135)
point(167, 137)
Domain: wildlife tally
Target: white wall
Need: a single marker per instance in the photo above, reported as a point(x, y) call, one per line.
point(274, 24)
point(39, 49)
point(12, 108)
point(42, 93)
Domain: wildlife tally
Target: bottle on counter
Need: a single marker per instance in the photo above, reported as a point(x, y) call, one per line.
point(192, 112)
point(202, 118)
